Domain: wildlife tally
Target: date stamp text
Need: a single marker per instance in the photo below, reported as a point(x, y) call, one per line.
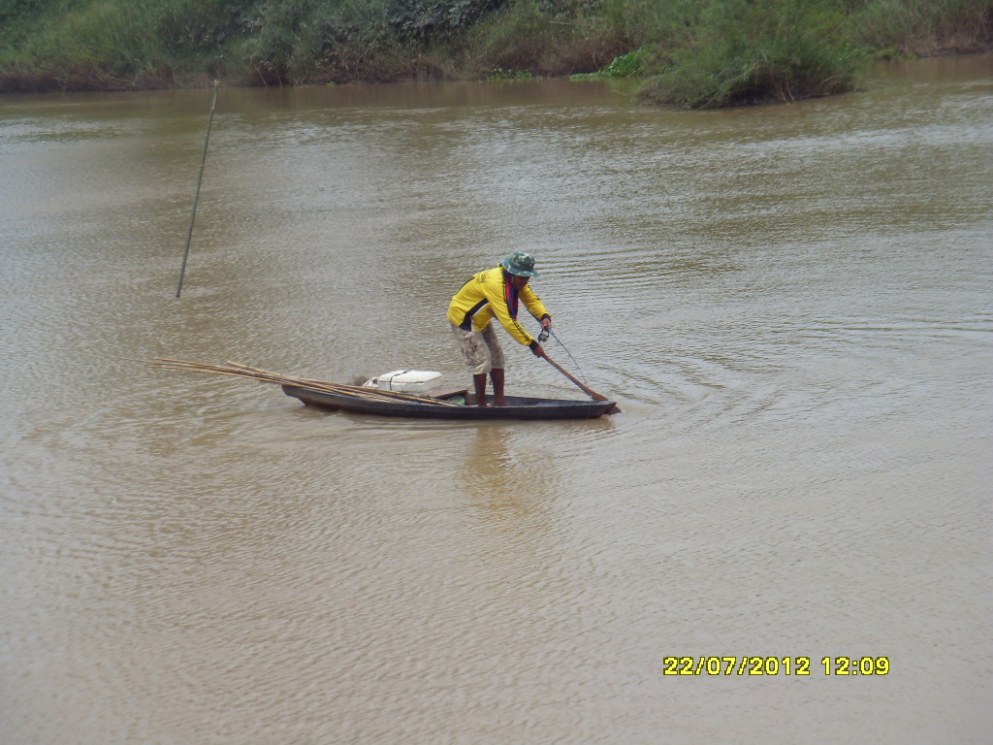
point(735, 665)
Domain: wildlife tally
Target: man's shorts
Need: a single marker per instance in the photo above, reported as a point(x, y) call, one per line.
point(480, 349)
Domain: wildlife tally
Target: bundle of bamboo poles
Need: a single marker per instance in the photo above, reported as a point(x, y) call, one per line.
point(265, 376)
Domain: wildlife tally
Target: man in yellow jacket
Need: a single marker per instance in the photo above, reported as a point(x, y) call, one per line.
point(495, 293)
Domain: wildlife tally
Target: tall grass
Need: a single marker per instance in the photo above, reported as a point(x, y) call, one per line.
point(524, 36)
point(94, 47)
point(925, 27)
point(749, 51)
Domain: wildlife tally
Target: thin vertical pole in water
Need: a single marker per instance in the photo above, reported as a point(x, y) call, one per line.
point(196, 199)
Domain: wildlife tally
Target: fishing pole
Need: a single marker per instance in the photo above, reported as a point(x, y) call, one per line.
point(543, 337)
point(196, 199)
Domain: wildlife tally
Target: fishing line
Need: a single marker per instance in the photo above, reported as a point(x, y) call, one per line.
point(543, 336)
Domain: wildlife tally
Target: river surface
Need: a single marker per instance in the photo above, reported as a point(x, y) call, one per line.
point(793, 306)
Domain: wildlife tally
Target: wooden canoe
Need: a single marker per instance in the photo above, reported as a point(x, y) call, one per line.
point(517, 407)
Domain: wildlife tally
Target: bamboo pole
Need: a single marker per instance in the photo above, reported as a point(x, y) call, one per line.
point(196, 199)
point(265, 376)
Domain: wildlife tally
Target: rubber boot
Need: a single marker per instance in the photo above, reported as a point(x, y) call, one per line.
point(496, 375)
point(479, 383)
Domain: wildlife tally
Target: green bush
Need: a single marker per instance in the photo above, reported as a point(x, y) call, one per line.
point(429, 20)
point(763, 50)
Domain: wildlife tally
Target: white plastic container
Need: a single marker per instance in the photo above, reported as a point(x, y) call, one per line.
point(406, 381)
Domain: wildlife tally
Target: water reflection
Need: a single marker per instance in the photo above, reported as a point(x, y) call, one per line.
point(514, 489)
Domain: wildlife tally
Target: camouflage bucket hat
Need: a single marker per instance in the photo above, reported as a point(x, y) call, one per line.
point(520, 264)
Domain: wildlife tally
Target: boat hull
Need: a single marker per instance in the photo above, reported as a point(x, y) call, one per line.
point(517, 407)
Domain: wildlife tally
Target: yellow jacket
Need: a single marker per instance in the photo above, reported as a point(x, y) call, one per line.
point(490, 294)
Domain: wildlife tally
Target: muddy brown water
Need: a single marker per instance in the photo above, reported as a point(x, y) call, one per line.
point(792, 304)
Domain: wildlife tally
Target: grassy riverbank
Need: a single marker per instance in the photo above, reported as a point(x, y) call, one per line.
point(691, 52)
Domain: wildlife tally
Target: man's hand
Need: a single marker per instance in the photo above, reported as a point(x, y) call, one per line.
point(537, 351)
point(546, 328)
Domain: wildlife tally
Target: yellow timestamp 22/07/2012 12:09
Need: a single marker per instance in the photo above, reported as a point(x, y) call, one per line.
point(800, 666)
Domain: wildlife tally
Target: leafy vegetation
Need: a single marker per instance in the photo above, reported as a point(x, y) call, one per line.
point(753, 50)
point(691, 52)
